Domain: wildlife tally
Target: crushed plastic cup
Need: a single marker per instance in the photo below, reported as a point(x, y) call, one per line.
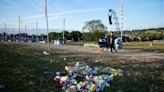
point(46, 53)
point(93, 88)
point(67, 68)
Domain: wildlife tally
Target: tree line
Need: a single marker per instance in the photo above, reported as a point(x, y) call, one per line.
point(94, 29)
point(145, 34)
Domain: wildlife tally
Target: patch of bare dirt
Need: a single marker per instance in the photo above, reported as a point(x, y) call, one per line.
point(125, 54)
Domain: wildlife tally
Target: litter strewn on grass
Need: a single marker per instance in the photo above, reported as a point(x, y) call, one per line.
point(83, 78)
point(46, 53)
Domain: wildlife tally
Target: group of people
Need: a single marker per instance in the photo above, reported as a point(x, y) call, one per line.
point(109, 42)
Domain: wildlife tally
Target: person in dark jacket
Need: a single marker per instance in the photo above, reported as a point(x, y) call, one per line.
point(111, 42)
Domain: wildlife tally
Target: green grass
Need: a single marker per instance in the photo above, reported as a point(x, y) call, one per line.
point(144, 46)
point(22, 70)
point(79, 43)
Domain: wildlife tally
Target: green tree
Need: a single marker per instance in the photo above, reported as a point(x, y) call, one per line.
point(88, 36)
point(33, 36)
point(67, 35)
point(54, 35)
point(76, 35)
point(95, 27)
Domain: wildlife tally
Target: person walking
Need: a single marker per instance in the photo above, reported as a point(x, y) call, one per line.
point(111, 42)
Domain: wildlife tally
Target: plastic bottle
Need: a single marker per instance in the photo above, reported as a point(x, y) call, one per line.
point(93, 88)
point(67, 69)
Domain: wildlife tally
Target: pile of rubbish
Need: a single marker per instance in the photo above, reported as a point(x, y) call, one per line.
point(83, 78)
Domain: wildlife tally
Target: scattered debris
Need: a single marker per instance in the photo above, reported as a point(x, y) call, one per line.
point(83, 78)
point(46, 53)
point(2, 86)
point(96, 61)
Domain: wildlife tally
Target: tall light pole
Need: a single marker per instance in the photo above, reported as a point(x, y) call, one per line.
point(5, 26)
point(37, 31)
point(19, 27)
point(47, 24)
point(63, 29)
point(25, 28)
point(121, 17)
point(5, 31)
point(25, 31)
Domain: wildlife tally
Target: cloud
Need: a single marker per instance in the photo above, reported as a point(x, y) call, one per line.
point(56, 6)
point(12, 3)
point(143, 5)
point(55, 18)
point(67, 13)
point(83, 11)
point(35, 16)
point(40, 4)
point(77, 2)
point(36, 4)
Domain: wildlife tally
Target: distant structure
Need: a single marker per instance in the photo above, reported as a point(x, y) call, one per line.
point(121, 17)
point(112, 15)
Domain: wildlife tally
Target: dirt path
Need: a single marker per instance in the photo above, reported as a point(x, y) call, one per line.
point(127, 54)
